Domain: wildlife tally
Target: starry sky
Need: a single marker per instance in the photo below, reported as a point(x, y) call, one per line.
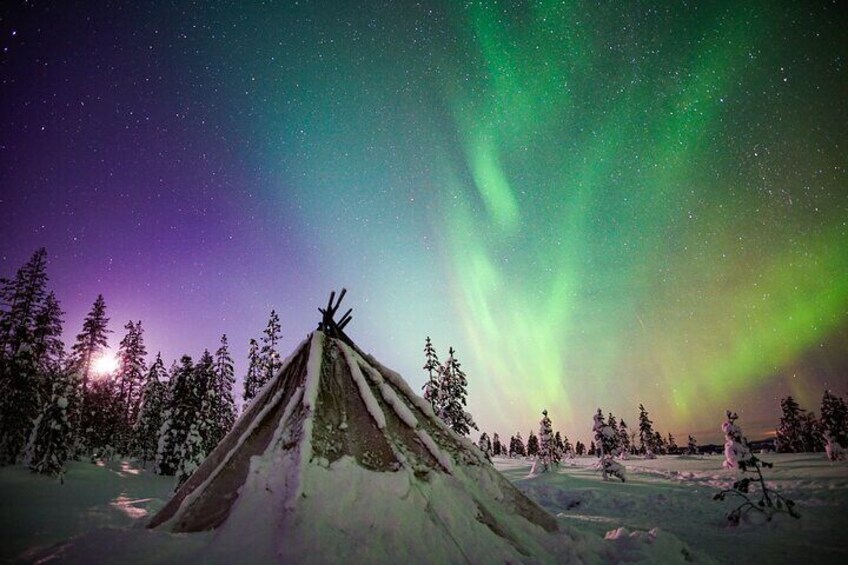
point(594, 203)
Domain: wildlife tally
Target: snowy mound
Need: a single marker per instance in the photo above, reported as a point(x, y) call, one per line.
point(338, 460)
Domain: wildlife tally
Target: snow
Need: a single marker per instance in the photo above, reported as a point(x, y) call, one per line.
point(365, 393)
point(663, 514)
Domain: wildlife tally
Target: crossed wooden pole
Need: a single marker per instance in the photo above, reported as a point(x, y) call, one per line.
point(328, 324)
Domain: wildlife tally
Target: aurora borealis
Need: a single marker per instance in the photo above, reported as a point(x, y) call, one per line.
point(596, 204)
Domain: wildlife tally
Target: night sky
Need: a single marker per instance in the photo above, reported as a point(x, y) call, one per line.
point(595, 203)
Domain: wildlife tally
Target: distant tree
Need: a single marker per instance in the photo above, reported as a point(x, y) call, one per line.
point(580, 449)
point(559, 447)
point(736, 450)
point(692, 447)
point(452, 383)
point(790, 432)
point(660, 446)
point(546, 453)
point(671, 445)
point(497, 447)
point(646, 433)
point(485, 445)
point(606, 442)
point(532, 445)
point(624, 445)
point(592, 449)
point(151, 414)
point(605, 436)
point(517, 448)
point(433, 367)
point(567, 448)
point(613, 442)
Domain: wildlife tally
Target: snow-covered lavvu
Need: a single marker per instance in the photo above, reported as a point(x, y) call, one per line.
point(664, 513)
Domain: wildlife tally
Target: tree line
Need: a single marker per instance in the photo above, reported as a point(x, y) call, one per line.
point(55, 406)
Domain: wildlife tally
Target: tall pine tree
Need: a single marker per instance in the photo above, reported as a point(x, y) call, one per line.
point(433, 367)
point(452, 383)
point(30, 320)
point(646, 433)
point(223, 405)
point(132, 372)
point(269, 356)
point(91, 341)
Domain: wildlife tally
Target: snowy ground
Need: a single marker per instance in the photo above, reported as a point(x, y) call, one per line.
point(674, 494)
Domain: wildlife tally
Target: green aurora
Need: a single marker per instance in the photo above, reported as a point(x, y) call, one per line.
point(595, 204)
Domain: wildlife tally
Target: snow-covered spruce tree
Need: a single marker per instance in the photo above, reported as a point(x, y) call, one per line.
point(452, 383)
point(269, 355)
point(132, 372)
point(624, 445)
point(615, 446)
point(834, 417)
point(497, 447)
point(738, 455)
point(791, 429)
point(22, 379)
point(546, 452)
point(433, 367)
point(224, 406)
point(692, 446)
point(51, 439)
point(736, 451)
point(568, 449)
point(834, 423)
point(605, 442)
point(181, 410)
point(151, 414)
point(518, 449)
point(532, 445)
point(254, 372)
point(559, 447)
point(646, 433)
point(201, 417)
point(485, 445)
